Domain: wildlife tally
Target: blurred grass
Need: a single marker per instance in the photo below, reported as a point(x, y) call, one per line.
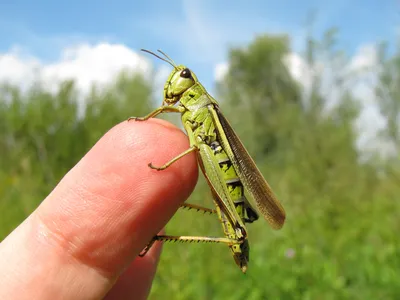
point(317, 255)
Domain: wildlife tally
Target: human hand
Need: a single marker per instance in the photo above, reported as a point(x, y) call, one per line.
point(82, 242)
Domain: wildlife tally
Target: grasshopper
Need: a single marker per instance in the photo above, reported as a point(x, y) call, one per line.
point(226, 164)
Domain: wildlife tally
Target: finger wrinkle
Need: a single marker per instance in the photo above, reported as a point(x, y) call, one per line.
point(58, 243)
point(88, 232)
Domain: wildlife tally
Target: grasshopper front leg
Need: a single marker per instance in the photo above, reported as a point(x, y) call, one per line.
point(193, 147)
point(163, 167)
point(156, 112)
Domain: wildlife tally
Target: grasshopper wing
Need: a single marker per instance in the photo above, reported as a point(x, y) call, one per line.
point(217, 184)
point(249, 174)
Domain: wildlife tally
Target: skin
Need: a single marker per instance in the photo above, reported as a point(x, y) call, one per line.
point(83, 240)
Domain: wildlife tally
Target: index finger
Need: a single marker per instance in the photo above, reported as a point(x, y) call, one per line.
point(103, 212)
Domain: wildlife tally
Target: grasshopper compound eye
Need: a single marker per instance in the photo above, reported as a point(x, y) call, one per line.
point(186, 73)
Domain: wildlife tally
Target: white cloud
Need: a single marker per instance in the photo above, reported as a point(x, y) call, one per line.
point(18, 69)
point(365, 67)
point(220, 71)
point(300, 70)
point(98, 64)
point(362, 70)
point(87, 64)
point(366, 57)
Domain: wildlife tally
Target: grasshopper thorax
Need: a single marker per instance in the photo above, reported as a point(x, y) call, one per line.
point(179, 81)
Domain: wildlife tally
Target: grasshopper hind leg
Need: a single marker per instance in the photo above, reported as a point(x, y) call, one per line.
point(187, 206)
point(189, 239)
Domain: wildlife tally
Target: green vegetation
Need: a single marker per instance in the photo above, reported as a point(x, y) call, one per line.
point(340, 240)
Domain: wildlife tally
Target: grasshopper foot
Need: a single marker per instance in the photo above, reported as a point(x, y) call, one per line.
point(144, 251)
point(136, 119)
point(155, 168)
point(147, 248)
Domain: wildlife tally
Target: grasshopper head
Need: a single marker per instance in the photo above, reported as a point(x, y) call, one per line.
point(179, 81)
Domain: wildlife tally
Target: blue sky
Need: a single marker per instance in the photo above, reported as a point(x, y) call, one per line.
point(194, 33)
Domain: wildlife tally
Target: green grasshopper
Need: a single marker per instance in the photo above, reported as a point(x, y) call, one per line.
point(227, 166)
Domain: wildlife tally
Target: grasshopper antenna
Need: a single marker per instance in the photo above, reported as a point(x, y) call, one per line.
point(168, 60)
